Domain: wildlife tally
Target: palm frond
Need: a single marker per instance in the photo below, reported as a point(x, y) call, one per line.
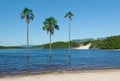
point(50, 24)
point(56, 27)
point(66, 15)
point(32, 16)
point(69, 15)
point(43, 27)
point(27, 15)
point(22, 16)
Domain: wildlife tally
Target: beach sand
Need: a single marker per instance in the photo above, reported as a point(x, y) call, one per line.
point(100, 75)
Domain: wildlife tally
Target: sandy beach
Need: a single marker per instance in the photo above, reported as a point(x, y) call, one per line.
point(100, 75)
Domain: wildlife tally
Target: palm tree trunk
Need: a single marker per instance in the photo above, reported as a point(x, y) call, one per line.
point(69, 41)
point(27, 55)
point(50, 54)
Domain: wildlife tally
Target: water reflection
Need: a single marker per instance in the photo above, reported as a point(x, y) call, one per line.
point(27, 57)
point(50, 57)
point(27, 54)
point(68, 59)
point(27, 63)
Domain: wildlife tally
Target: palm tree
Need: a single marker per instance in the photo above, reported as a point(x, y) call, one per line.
point(69, 15)
point(27, 15)
point(49, 25)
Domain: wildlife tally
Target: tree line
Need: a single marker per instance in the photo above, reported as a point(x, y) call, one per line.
point(112, 42)
point(58, 45)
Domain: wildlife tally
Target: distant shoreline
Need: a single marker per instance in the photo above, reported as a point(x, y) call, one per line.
point(53, 49)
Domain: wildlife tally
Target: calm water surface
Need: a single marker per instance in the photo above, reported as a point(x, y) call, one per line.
point(15, 62)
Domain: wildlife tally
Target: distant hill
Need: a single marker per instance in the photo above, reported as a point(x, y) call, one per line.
point(30, 46)
point(101, 38)
point(58, 45)
point(11, 47)
point(112, 42)
point(83, 40)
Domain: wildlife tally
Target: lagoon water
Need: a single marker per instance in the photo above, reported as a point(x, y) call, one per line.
point(15, 62)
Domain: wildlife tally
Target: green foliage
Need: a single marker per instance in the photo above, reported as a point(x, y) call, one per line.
point(87, 42)
point(27, 15)
point(50, 24)
point(11, 47)
point(108, 43)
point(69, 15)
point(58, 45)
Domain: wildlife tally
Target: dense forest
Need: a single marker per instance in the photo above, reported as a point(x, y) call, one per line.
point(112, 42)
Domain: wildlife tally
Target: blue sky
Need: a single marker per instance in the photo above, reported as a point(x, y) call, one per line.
point(92, 19)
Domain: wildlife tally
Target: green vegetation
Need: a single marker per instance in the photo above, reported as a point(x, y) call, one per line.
point(107, 43)
point(11, 47)
point(112, 42)
point(50, 24)
point(83, 40)
point(58, 45)
point(69, 15)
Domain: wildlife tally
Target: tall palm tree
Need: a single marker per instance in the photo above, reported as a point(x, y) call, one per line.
point(69, 15)
point(49, 25)
point(27, 15)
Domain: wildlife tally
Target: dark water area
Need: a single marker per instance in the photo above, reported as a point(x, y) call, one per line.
point(15, 62)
